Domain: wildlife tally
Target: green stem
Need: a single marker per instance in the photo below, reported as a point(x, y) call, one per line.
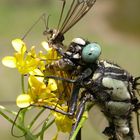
point(45, 126)
point(83, 119)
point(29, 136)
point(22, 84)
point(48, 124)
point(9, 111)
point(36, 117)
point(11, 121)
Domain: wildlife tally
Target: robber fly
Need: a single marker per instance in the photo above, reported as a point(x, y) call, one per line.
point(111, 87)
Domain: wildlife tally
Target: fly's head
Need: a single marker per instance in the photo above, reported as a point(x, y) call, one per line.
point(82, 52)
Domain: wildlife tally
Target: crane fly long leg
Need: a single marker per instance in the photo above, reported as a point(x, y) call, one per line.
point(36, 22)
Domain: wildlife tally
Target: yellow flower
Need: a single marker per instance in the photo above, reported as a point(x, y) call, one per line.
point(52, 85)
point(63, 122)
point(39, 91)
point(19, 45)
point(9, 61)
point(51, 54)
point(24, 62)
point(46, 46)
point(38, 74)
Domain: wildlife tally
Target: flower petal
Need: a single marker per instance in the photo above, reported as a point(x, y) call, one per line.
point(38, 74)
point(19, 45)
point(56, 136)
point(23, 100)
point(52, 84)
point(63, 123)
point(46, 46)
point(37, 84)
point(9, 61)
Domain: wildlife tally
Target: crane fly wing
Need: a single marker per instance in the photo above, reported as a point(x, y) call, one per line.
point(77, 10)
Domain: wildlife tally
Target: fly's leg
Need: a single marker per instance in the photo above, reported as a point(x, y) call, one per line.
point(51, 108)
point(75, 92)
point(137, 113)
point(73, 101)
point(110, 130)
point(79, 113)
point(79, 81)
point(60, 78)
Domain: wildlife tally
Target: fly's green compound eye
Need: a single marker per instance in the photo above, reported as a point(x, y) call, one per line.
point(91, 52)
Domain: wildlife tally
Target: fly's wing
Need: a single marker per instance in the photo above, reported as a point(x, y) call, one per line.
point(77, 10)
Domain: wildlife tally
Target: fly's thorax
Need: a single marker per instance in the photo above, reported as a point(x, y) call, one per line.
point(116, 88)
point(112, 90)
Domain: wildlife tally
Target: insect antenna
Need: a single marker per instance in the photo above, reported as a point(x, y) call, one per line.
point(46, 22)
point(47, 31)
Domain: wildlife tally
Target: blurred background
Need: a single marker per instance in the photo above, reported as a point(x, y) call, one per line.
point(115, 25)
